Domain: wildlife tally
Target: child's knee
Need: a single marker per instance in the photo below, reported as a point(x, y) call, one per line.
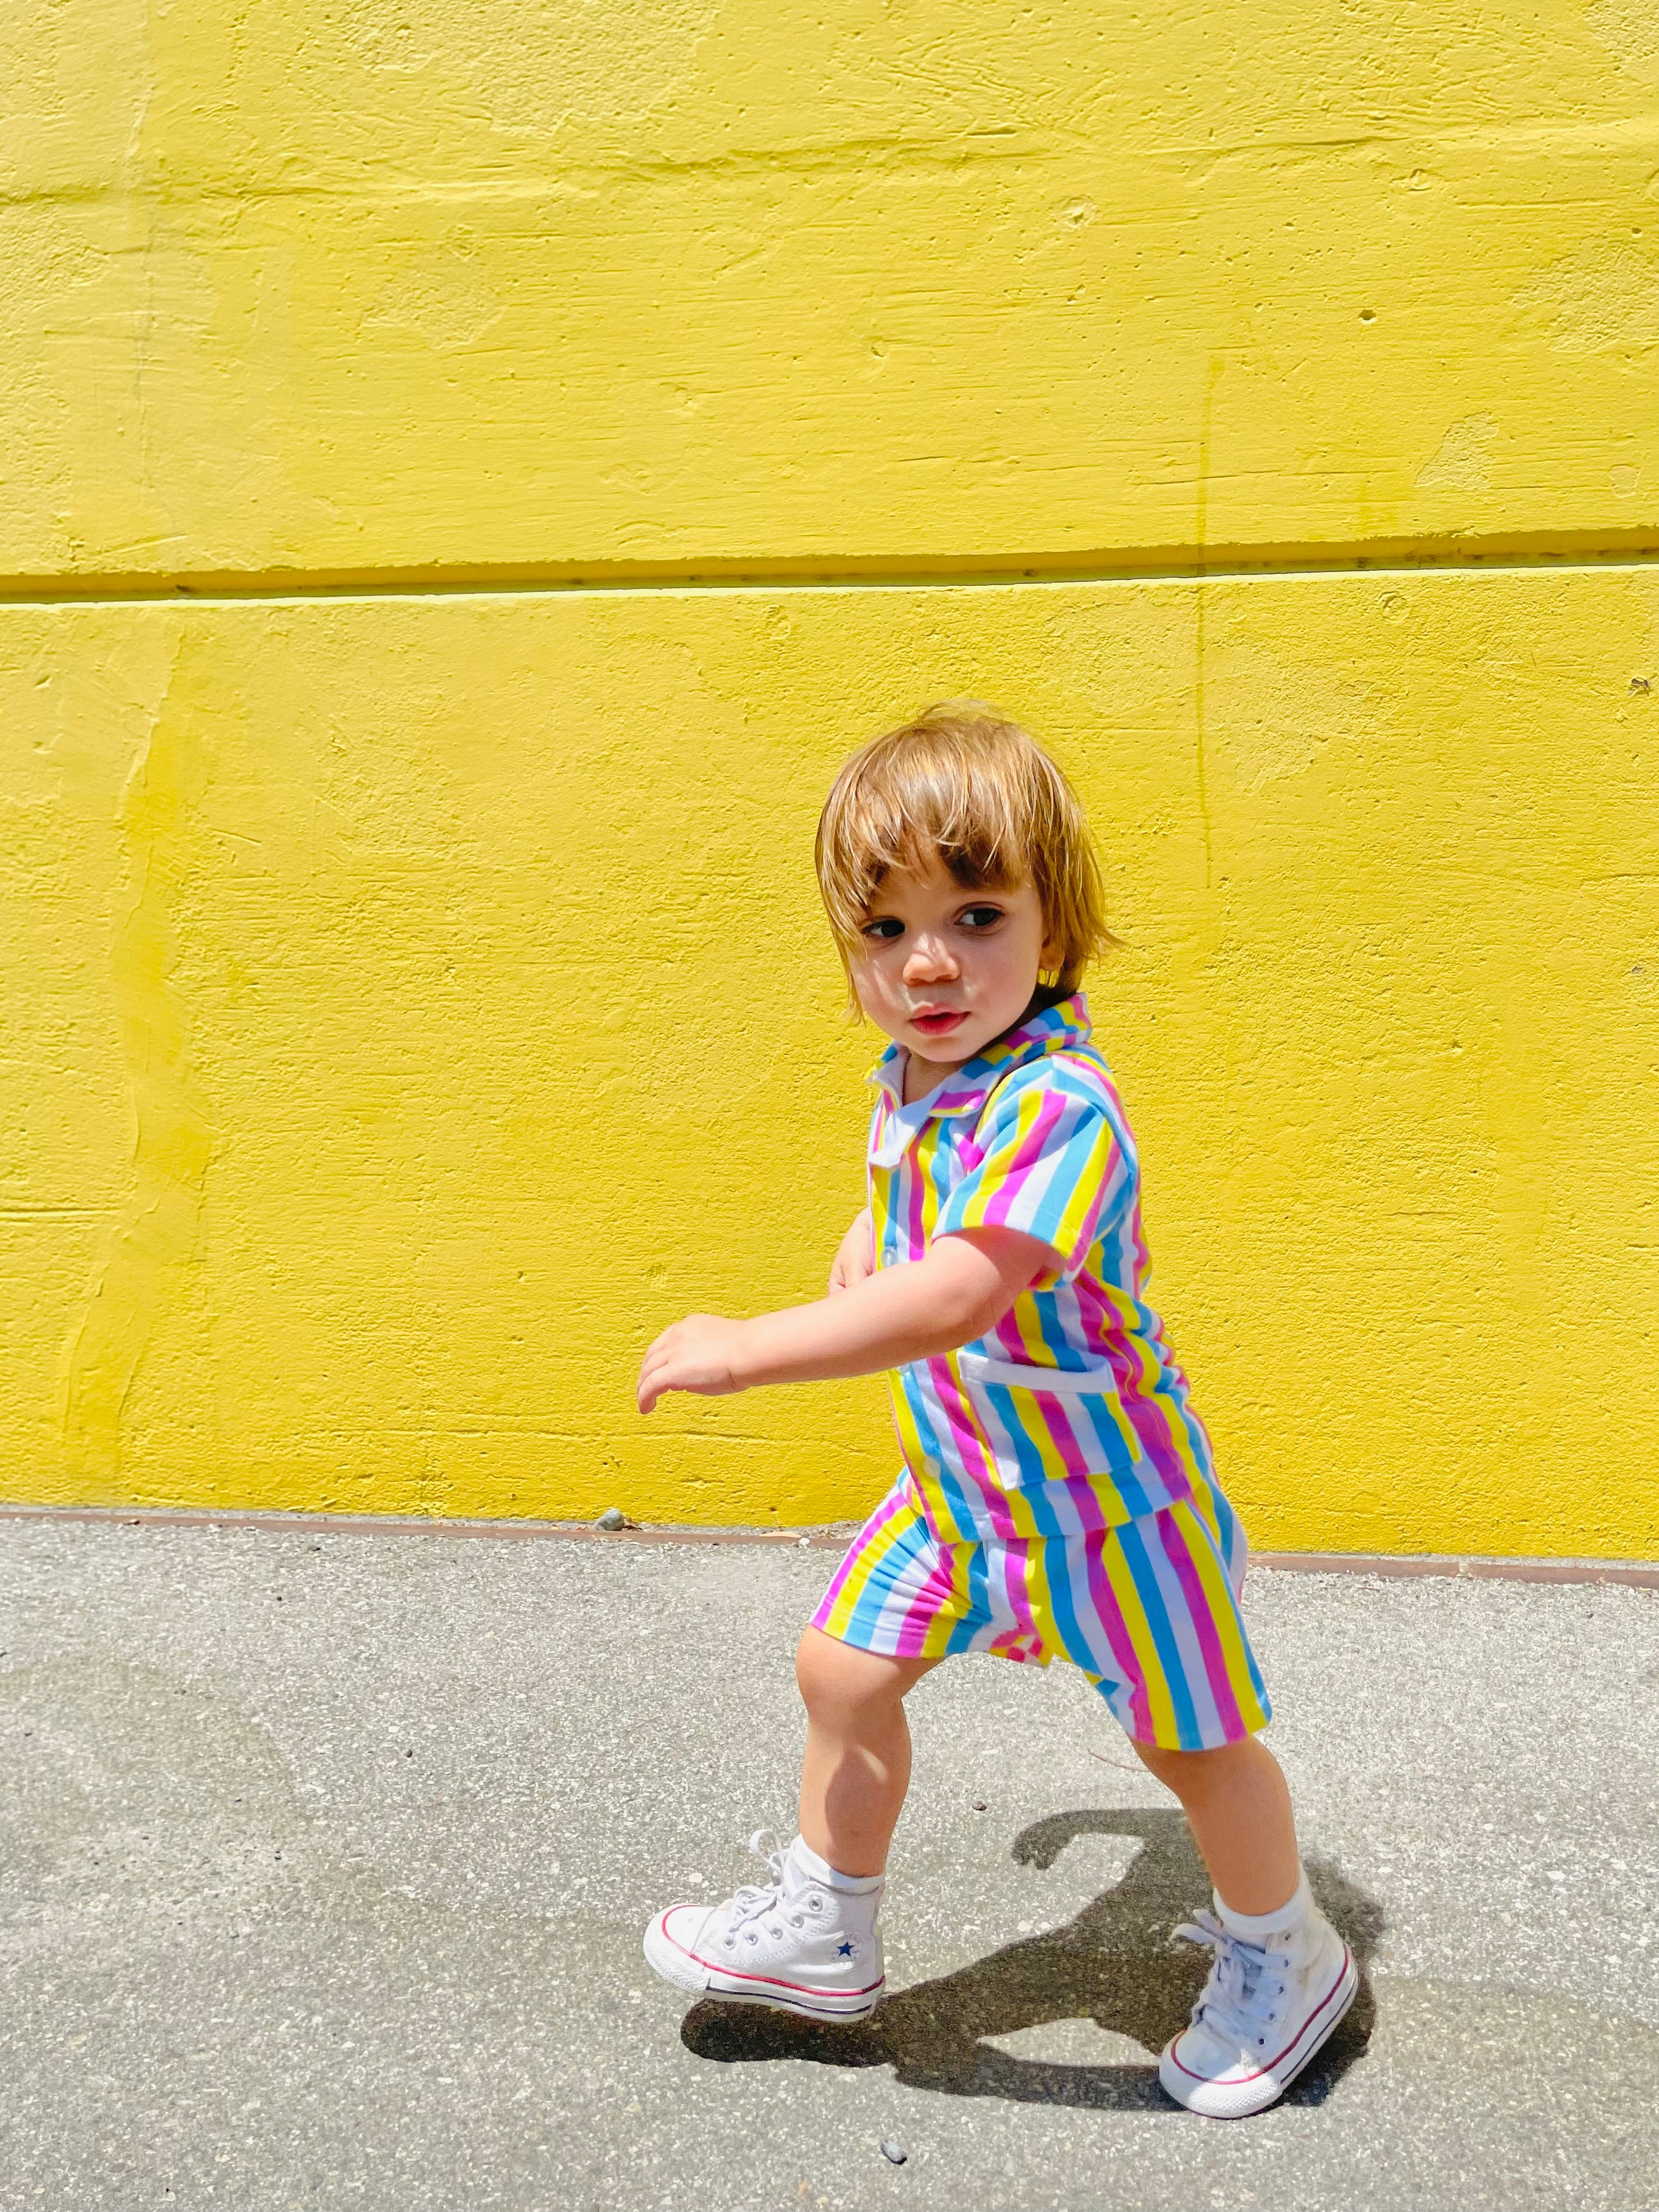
point(1195, 1772)
point(836, 1679)
point(1167, 1766)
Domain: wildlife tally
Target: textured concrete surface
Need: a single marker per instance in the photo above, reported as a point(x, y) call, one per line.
point(405, 1026)
point(329, 288)
point(325, 1859)
point(415, 994)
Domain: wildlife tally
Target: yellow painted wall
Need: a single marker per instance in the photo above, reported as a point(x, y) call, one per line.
point(415, 992)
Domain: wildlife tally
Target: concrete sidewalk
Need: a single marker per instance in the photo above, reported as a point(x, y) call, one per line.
point(326, 1857)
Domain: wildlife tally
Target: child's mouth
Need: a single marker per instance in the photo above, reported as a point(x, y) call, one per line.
point(938, 1025)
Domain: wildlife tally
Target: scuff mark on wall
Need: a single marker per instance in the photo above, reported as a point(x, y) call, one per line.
point(1629, 29)
point(156, 1238)
point(1463, 462)
point(1599, 297)
point(607, 62)
point(1276, 717)
point(441, 296)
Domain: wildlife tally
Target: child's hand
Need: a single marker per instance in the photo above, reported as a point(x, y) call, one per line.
point(857, 1256)
point(696, 1354)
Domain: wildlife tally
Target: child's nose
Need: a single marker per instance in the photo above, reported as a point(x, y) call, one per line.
point(930, 961)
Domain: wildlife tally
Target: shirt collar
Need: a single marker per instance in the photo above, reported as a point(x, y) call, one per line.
point(1063, 1028)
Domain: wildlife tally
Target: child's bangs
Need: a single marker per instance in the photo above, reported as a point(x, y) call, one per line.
point(918, 812)
point(912, 810)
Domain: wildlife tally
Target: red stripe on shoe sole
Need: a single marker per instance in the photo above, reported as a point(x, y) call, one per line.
point(1261, 2072)
point(804, 1989)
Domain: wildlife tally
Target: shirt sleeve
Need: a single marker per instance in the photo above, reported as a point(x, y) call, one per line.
point(1050, 1165)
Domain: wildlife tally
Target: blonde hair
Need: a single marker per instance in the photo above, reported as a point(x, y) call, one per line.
point(963, 785)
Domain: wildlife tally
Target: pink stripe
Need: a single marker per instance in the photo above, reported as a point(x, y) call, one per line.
point(1110, 1617)
point(1016, 1555)
point(1096, 1313)
point(860, 1544)
point(1203, 1623)
point(911, 1189)
point(1024, 1159)
point(923, 1608)
point(1058, 1423)
point(981, 1470)
point(1006, 1334)
point(1148, 1411)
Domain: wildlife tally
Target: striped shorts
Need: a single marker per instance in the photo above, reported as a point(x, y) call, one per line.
point(1148, 1610)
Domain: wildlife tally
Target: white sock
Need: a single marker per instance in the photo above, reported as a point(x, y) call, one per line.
point(1255, 1927)
point(846, 1885)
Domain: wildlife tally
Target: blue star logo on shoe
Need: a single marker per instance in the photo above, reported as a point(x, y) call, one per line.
point(846, 1951)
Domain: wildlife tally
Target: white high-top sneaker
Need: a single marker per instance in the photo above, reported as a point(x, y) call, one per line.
point(806, 1941)
point(1274, 1993)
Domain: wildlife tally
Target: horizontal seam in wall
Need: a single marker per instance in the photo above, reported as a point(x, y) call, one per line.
point(1188, 565)
point(1632, 1573)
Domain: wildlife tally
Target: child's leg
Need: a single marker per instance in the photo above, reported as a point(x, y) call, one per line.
point(1280, 1977)
point(857, 1766)
point(807, 1940)
point(1239, 1808)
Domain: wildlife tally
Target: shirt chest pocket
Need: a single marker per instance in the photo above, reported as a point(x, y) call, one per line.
point(1047, 1423)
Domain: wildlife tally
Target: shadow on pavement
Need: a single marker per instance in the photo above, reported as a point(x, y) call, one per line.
point(1114, 1964)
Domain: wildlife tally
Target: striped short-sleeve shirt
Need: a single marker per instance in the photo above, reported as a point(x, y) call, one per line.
point(1072, 1413)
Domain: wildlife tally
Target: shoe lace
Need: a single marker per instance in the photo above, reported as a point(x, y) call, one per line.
point(754, 1898)
point(1247, 1984)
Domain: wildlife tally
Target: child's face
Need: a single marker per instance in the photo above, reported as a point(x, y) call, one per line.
point(943, 970)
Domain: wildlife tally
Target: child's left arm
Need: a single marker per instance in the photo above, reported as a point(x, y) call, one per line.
point(963, 1288)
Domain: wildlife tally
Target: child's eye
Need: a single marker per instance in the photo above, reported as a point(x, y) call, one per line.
point(885, 928)
point(979, 917)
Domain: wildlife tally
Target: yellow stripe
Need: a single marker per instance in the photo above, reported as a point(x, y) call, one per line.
point(1085, 1187)
point(1165, 1730)
point(870, 1555)
point(1039, 1599)
point(1027, 1327)
point(1030, 1420)
point(1223, 1601)
point(1180, 1441)
point(939, 1630)
point(1202, 1503)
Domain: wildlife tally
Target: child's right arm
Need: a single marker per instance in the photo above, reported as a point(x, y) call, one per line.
point(960, 1288)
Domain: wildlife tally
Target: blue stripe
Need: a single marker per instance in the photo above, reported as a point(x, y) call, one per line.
point(978, 1615)
point(1040, 1501)
point(1234, 1553)
point(880, 1580)
point(941, 1157)
point(1170, 1663)
point(1027, 1457)
point(942, 1473)
point(1062, 1596)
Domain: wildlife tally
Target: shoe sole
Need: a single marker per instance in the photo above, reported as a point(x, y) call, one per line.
point(699, 1978)
point(1268, 2088)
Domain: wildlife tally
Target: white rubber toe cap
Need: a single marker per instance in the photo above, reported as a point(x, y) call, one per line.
point(671, 1946)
